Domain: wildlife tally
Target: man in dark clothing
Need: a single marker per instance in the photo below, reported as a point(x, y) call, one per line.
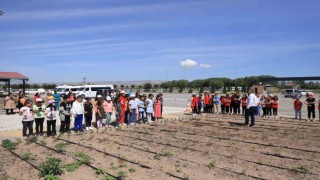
point(311, 101)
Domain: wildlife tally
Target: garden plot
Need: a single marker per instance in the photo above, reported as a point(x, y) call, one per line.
point(208, 147)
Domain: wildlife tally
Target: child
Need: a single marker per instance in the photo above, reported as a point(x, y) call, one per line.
point(9, 104)
point(65, 114)
point(100, 114)
point(263, 102)
point(118, 110)
point(108, 108)
point(297, 105)
point(200, 102)
point(149, 105)
point(275, 106)
point(268, 106)
point(78, 111)
point(319, 108)
point(227, 104)
point(28, 117)
point(51, 118)
point(39, 110)
point(222, 100)
point(141, 106)
point(244, 104)
point(88, 113)
point(194, 104)
point(157, 109)
point(133, 109)
point(216, 102)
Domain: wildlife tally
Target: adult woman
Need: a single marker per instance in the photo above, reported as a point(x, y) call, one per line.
point(311, 101)
point(157, 108)
point(9, 104)
point(21, 100)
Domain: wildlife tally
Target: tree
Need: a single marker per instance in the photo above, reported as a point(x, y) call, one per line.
point(181, 84)
point(156, 86)
point(115, 86)
point(147, 86)
point(224, 88)
point(165, 85)
point(133, 86)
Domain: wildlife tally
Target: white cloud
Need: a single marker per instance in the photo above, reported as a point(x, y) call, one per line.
point(188, 63)
point(205, 65)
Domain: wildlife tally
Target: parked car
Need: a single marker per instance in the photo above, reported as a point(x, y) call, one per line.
point(291, 93)
point(91, 90)
point(1, 91)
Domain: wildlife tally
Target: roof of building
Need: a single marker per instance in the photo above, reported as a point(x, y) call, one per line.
point(12, 75)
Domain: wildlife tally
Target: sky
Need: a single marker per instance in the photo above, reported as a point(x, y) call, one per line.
point(66, 40)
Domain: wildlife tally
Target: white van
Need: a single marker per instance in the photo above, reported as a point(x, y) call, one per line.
point(91, 90)
point(65, 89)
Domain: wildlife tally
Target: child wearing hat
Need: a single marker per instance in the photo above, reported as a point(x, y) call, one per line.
point(28, 117)
point(39, 115)
point(50, 113)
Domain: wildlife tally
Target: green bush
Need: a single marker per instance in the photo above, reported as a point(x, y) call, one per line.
point(168, 154)
point(71, 167)
point(51, 166)
point(122, 175)
point(211, 165)
point(157, 157)
point(84, 158)
point(50, 177)
point(61, 147)
point(28, 157)
point(8, 144)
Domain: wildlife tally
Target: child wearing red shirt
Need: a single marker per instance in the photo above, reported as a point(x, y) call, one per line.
point(297, 105)
point(194, 104)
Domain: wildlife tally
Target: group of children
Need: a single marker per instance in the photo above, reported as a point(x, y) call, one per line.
point(128, 109)
point(230, 104)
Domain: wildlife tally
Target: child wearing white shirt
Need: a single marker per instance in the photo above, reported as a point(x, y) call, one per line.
point(28, 117)
point(51, 118)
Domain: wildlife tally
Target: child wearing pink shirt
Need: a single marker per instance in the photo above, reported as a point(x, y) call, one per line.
point(108, 108)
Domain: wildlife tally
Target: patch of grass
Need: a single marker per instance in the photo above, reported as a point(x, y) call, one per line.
point(211, 165)
point(8, 144)
point(132, 170)
point(61, 147)
point(100, 171)
point(107, 178)
point(179, 170)
point(71, 167)
point(84, 158)
point(43, 142)
point(302, 169)
point(51, 166)
point(122, 174)
point(168, 154)
point(28, 157)
point(51, 177)
point(122, 165)
point(157, 157)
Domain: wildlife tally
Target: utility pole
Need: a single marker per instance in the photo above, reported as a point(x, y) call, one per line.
point(84, 80)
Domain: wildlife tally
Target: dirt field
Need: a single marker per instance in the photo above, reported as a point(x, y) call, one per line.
point(211, 147)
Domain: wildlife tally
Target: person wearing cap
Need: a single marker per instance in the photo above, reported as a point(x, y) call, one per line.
point(65, 114)
point(108, 108)
point(123, 101)
point(50, 113)
point(78, 111)
point(310, 102)
point(39, 115)
point(297, 105)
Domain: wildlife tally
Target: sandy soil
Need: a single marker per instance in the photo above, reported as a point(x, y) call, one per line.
point(208, 147)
